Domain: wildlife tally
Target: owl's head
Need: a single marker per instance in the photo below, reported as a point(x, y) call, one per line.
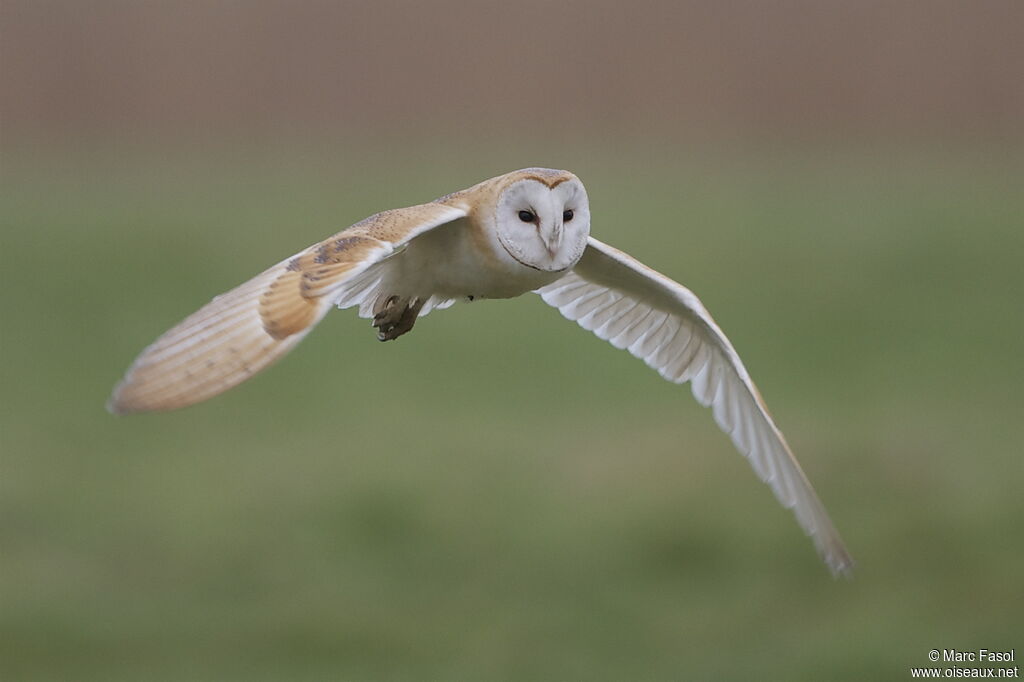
point(542, 218)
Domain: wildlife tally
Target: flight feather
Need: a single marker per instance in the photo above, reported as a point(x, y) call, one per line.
point(663, 323)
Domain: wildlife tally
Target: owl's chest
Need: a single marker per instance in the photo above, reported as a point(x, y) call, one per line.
point(456, 261)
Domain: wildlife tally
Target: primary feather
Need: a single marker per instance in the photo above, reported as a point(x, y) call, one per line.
point(665, 325)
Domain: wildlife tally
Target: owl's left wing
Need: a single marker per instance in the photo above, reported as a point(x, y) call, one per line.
point(664, 324)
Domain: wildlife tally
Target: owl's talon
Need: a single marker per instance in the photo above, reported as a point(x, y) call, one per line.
point(396, 317)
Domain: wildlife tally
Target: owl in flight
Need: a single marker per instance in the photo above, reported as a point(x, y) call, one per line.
point(524, 231)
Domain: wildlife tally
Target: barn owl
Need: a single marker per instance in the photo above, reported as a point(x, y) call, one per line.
point(525, 231)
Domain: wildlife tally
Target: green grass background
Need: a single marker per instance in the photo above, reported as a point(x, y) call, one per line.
point(499, 495)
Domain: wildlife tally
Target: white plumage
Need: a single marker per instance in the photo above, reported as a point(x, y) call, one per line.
point(524, 231)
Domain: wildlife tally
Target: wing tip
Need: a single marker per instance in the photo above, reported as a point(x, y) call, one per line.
point(117, 404)
point(832, 551)
point(129, 398)
point(840, 563)
point(121, 403)
point(116, 407)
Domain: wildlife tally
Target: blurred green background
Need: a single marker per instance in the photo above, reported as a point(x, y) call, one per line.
point(499, 495)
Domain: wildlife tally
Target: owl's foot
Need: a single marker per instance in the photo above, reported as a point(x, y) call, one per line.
point(396, 316)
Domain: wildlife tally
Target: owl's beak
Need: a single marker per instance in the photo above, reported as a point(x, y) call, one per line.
point(552, 237)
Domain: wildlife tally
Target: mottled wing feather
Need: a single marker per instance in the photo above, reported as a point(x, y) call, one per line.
point(218, 347)
point(246, 329)
point(664, 324)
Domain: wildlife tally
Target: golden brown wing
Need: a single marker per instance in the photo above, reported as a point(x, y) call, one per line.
point(239, 333)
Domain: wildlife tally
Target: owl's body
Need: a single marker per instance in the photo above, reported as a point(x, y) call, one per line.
point(464, 259)
point(458, 262)
point(461, 261)
point(525, 231)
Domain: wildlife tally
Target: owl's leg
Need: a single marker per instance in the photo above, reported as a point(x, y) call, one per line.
point(396, 316)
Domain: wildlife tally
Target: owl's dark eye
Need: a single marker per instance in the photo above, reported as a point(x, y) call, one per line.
point(527, 216)
point(567, 216)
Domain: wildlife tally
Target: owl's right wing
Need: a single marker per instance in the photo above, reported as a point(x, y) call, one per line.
point(664, 324)
point(241, 332)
